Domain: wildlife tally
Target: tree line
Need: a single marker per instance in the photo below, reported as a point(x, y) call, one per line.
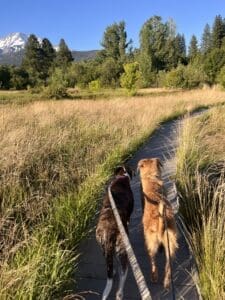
point(161, 60)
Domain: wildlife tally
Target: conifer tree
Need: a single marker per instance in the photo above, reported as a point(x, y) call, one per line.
point(206, 43)
point(32, 61)
point(115, 42)
point(48, 57)
point(152, 47)
point(63, 56)
point(193, 47)
point(218, 32)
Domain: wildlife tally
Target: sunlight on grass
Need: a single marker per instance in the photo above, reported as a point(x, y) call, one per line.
point(55, 159)
point(201, 181)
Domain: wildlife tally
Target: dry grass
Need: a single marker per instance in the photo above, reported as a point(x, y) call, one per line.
point(200, 175)
point(55, 158)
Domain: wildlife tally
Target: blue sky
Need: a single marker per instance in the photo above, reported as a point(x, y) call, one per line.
point(82, 23)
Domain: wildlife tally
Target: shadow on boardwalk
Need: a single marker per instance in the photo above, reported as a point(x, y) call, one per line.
point(92, 272)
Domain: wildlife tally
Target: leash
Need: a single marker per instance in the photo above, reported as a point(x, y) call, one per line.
point(170, 260)
point(142, 286)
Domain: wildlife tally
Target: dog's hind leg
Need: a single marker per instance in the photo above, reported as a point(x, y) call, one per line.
point(123, 268)
point(109, 283)
point(152, 245)
point(170, 248)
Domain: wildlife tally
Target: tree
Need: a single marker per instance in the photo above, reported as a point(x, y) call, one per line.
point(48, 57)
point(130, 78)
point(19, 78)
point(5, 77)
point(110, 72)
point(221, 77)
point(32, 61)
point(115, 42)
point(63, 56)
point(176, 52)
point(152, 42)
point(206, 43)
point(180, 46)
point(213, 63)
point(160, 48)
point(193, 47)
point(218, 32)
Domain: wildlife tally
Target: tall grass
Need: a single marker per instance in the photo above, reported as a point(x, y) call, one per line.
point(201, 180)
point(54, 161)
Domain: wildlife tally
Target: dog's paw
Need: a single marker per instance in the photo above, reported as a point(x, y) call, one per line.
point(166, 283)
point(119, 296)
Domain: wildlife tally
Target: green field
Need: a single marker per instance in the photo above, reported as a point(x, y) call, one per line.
point(56, 157)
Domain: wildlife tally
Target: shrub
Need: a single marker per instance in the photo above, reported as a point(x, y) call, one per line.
point(221, 77)
point(129, 79)
point(175, 78)
point(5, 77)
point(193, 76)
point(19, 78)
point(110, 72)
point(213, 63)
point(57, 86)
point(161, 79)
point(94, 85)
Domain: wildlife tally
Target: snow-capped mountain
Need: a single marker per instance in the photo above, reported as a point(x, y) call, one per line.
point(12, 49)
point(13, 42)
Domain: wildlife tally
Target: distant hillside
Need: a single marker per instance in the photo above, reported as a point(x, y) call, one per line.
point(84, 55)
point(11, 58)
point(15, 58)
point(12, 49)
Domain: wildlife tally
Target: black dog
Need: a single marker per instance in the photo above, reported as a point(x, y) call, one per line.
point(107, 233)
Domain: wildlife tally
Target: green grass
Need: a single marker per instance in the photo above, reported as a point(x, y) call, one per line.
point(55, 159)
point(200, 179)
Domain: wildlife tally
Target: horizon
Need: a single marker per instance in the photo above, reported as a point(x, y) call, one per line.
point(82, 24)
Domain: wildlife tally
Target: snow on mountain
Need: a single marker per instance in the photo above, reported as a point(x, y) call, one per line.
point(14, 42)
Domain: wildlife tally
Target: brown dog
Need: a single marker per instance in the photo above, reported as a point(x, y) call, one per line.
point(107, 232)
point(158, 219)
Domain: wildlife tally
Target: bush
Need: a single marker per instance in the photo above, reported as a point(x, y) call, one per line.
point(161, 79)
point(182, 77)
point(129, 79)
point(19, 78)
point(221, 77)
point(213, 63)
point(193, 76)
point(94, 85)
point(110, 72)
point(5, 77)
point(81, 73)
point(175, 78)
point(57, 87)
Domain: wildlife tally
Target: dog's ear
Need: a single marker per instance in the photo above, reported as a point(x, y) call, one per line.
point(118, 170)
point(140, 165)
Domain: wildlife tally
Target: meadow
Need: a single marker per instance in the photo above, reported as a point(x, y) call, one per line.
point(201, 181)
point(55, 159)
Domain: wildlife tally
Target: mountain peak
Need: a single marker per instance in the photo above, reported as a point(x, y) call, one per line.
point(13, 42)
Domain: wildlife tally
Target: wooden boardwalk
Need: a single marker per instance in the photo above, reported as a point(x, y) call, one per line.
point(92, 272)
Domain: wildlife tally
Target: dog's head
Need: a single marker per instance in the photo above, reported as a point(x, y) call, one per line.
point(124, 170)
point(150, 167)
